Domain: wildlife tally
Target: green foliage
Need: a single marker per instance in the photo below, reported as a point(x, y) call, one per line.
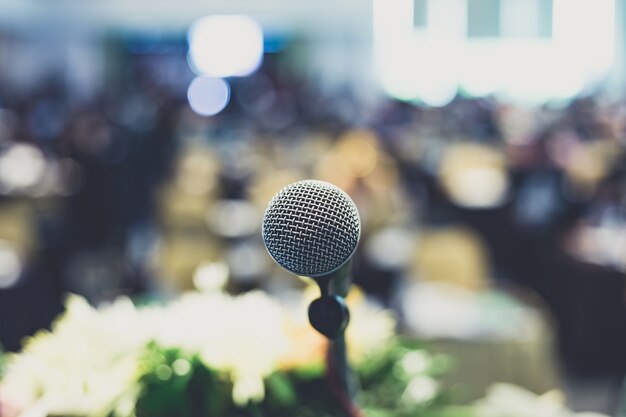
point(176, 384)
point(170, 387)
point(384, 382)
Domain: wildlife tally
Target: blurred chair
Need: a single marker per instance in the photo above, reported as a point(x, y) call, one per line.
point(492, 334)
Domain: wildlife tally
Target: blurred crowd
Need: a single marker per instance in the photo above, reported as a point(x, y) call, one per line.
point(128, 191)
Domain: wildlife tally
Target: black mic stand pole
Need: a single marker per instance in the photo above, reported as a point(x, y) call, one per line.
point(340, 286)
point(332, 316)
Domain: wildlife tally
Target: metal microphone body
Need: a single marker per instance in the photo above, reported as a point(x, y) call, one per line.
point(312, 228)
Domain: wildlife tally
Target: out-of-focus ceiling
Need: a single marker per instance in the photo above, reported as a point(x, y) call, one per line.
point(347, 15)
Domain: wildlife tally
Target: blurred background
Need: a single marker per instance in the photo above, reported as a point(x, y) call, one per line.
point(482, 140)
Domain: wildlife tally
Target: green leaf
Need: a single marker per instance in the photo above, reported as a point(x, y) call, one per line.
point(281, 389)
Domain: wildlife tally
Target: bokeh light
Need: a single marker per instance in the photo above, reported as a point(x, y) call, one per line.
point(22, 166)
point(211, 276)
point(10, 265)
point(208, 96)
point(225, 45)
point(233, 218)
point(197, 173)
point(357, 153)
point(474, 175)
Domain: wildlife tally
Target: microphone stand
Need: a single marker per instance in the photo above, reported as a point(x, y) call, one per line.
point(339, 373)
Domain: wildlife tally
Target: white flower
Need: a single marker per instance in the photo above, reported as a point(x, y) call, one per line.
point(508, 400)
point(248, 389)
point(416, 362)
point(89, 364)
point(241, 335)
point(421, 389)
point(83, 367)
point(371, 327)
point(248, 341)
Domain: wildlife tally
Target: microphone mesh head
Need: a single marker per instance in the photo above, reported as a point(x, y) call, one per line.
point(311, 228)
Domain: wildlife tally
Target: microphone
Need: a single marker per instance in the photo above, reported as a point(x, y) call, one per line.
point(312, 228)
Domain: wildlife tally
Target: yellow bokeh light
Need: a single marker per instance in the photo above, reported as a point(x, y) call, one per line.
point(357, 153)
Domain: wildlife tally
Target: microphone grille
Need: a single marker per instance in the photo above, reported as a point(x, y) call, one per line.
point(311, 228)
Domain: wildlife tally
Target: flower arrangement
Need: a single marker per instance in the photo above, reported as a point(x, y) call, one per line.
point(215, 354)
point(211, 354)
